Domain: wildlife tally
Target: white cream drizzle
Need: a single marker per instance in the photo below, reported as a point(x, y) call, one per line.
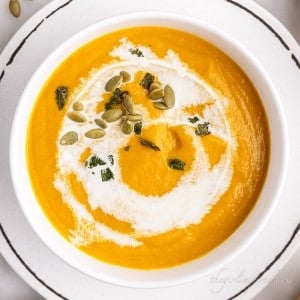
point(196, 192)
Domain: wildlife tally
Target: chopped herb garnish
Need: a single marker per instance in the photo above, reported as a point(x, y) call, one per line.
point(107, 174)
point(148, 144)
point(136, 52)
point(193, 120)
point(94, 162)
point(147, 80)
point(115, 99)
point(138, 128)
point(176, 164)
point(202, 129)
point(111, 159)
point(126, 148)
point(61, 94)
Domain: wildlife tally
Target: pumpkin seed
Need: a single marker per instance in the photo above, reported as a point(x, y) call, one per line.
point(78, 106)
point(69, 138)
point(125, 75)
point(15, 8)
point(160, 105)
point(113, 83)
point(154, 86)
point(95, 133)
point(112, 115)
point(169, 97)
point(156, 94)
point(128, 104)
point(101, 123)
point(134, 117)
point(127, 127)
point(76, 116)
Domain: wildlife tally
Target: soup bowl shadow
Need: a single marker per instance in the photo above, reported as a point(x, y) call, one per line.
point(222, 254)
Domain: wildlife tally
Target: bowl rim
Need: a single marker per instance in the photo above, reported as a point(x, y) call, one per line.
point(253, 223)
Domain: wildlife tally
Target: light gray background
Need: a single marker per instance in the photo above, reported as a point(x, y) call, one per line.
point(286, 285)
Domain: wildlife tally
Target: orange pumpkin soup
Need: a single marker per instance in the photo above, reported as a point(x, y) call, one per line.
point(147, 154)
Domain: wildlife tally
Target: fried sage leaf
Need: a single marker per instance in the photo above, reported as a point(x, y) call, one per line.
point(111, 159)
point(176, 164)
point(107, 174)
point(194, 119)
point(136, 52)
point(202, 129)
point(61, 94)
point(115, 99)
point(138, 128)
point(94, 161)
point(147, 80)
point(148, 144)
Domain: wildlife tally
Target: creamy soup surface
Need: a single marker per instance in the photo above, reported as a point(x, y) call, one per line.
point(147, 147)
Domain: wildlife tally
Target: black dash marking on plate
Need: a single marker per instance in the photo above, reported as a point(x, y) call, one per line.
point(268, 267)
point(12, 57)
point(57, 9)
point(294, 58)
point(2, 74)
point(262, 21)
point(27, 267)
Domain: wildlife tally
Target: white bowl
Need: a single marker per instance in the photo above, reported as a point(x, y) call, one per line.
point(221, 254)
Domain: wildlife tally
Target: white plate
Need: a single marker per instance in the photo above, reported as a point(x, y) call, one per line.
point(248, 273)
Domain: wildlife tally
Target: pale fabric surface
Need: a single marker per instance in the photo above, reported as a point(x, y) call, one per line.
point(286, 285)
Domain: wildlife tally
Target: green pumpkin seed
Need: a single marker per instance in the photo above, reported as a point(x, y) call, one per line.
point(78, 106)
point(101, 123)
point(76, 116)
point(69, 138)
point(160, 105)
point(134, 117)
point(112, 115)
point(95, 133)
point(113, 83)
point(154, 86)
point(127, 127)
point(169, 97)
point(128, 104)
point(125, 75)
point(15, 8)
point(156, 94)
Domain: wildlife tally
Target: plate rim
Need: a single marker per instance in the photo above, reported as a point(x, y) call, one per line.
point(292, 46)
